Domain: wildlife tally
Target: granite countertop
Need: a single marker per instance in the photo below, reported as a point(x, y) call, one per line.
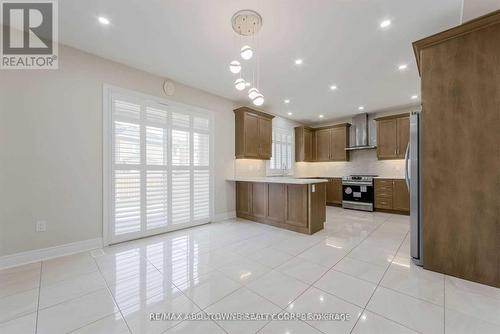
point(278, 179)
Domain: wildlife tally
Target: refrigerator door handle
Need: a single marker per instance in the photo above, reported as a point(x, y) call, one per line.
point(407, 176)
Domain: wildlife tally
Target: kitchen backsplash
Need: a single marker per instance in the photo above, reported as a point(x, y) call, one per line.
point(362, 162)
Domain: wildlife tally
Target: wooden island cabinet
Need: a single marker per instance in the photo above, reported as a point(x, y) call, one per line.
point(293, 204)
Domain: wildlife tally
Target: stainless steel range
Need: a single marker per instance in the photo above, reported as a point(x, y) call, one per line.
point(357, 192)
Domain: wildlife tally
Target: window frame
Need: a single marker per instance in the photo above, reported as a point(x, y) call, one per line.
point(289, 171)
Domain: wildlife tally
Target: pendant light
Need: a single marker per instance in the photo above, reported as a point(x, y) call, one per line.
point(240, 84)
point(252, 93)
point(246, 52)
point(258, 100)
point(235, 67)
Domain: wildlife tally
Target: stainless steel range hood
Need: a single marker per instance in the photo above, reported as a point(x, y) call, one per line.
point(361, 137)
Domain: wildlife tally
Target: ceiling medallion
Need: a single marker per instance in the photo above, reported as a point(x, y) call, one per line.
point(246, 24)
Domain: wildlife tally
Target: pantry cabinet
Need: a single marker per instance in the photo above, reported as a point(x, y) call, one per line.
point(253, 136)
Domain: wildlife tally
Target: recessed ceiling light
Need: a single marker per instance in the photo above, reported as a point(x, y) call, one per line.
point(298, 61)
point(333, 87)
point(290, 113)
point(414, 97)
point(385, 23)
point(361, 108)
point(103, 20)
point(321, 116)
point(402, 67)
point(286, 101)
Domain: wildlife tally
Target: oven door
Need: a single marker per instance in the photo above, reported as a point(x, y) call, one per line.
point(357, 196)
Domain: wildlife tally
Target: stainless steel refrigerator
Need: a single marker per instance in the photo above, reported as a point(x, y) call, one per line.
point(413, 182)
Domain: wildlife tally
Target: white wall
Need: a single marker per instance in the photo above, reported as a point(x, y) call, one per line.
point(476, 8)
point(51, 147)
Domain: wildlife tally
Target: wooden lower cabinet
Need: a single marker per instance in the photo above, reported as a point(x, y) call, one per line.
point(334, 192)
point(392, 195)
point(297, 207)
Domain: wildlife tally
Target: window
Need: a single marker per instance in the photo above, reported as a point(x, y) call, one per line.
point(281, 158)
point(158, 166)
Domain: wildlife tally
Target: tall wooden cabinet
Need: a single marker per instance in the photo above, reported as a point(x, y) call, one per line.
point(393, 134)
point(253, 134)
point(460, 131)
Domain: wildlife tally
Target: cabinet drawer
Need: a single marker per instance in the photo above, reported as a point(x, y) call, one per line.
point(383, 183)
point(384, 194)
point(383, 203)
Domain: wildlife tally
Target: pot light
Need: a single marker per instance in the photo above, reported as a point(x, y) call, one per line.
point(246, 52)
point(235, 67)
point(239, 84)
point(290, 113)
point(321, 116)
point(361, 108)
point(298, 61)
point(333, 87)
point(252, 93)
point(414, 97)
point(402, 67)
point(286, 101)
point(103, 20)
point(259, 99)
point(385, 23)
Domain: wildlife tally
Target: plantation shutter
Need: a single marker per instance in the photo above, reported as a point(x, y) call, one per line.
point(160, 167)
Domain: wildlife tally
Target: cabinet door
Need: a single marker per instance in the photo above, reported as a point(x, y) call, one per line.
point(400, 196)
point(296, 205)
point(403, 124)
point(387, 139)
point(323, 145)
point(244, 198)
point(337, 191)
point(330, 191)
point(265, 138)
point(259, 200)
point(338, 144)
point(251, 133)
point(276, 202)
point(308, 145)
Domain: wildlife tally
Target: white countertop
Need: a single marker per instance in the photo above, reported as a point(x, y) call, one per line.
point(278, 179)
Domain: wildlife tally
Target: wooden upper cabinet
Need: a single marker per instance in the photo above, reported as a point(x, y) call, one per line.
point(393, 133)
point(322, 145)
point(339, 141)
point(303, 144)
point(253, 137)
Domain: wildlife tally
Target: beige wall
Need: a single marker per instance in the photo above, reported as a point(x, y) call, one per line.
point(51, 147)
point(476, 8)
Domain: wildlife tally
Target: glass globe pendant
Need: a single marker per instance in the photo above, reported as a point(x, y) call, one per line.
point(246, 52)
point(240, 84)
point(235, 67)
point(252, 93)
point(258, 100)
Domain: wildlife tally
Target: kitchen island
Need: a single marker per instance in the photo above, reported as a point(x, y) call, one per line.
point(291, 203)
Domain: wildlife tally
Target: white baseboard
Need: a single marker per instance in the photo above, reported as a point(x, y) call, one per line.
point(36, 255)
point(224, 216)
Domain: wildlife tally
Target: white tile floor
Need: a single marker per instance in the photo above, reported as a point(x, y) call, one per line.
point(359, 265)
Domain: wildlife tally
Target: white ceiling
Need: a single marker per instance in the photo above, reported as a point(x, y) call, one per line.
point(191, 41)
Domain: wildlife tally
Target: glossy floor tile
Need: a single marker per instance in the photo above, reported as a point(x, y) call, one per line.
point(357, 271)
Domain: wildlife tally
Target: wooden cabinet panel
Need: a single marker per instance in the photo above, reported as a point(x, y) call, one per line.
point(251, 132)
point(243, 198)
point(383, 203)
point(303, 144)
point(334, 191)
point(323, 142)
point(403, 125)
point(276, 202)
point(339, 137)
point(387, 134)
point(296, 205)
point(308, 145)
point(259, 200)
point(265, 137)
point(401, 196)
point(460, 124)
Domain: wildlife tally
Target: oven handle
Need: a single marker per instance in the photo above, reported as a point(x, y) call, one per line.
point(344, 183)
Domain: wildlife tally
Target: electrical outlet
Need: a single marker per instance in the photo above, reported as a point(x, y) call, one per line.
point(41, 226)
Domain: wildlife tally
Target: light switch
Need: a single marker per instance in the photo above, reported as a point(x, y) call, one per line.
point(313, 188)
